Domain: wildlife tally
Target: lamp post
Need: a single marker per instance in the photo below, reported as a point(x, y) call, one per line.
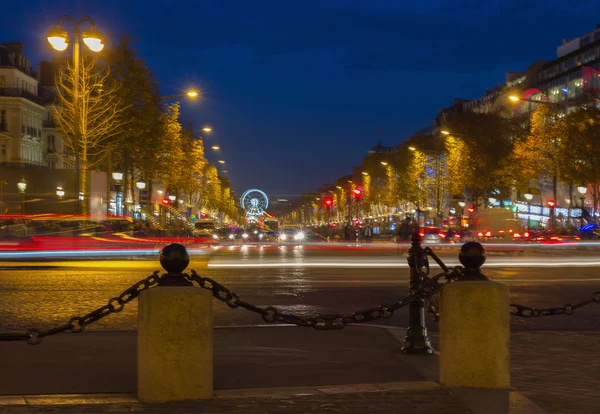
point(60, 193)
point(528, 197)
point(140, 185)
point(582, 190)
point(192, 93)
point(118, 176)
point(59, 40)
point(22, 186)
point(2, 183)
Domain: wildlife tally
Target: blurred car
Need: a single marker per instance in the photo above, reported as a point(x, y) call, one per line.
point(461, 235)
point(431, 234)
point(504, 235)
point(291, 234)
point(556, 237)
point(223, 234)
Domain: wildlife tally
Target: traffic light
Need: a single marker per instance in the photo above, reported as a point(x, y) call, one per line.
point(357, 193)
point(328, 202)
point(166, 201)
point(551, 203)
point(470, 210)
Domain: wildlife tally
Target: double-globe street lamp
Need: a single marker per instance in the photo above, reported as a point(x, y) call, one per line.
point(59, 40)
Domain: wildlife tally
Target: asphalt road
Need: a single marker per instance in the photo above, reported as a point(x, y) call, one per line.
point(305, 281)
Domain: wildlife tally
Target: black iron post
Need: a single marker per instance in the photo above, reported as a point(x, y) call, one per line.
point(416, 340)
point(174, 258)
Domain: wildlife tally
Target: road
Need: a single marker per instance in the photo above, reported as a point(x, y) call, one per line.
point(303, 280)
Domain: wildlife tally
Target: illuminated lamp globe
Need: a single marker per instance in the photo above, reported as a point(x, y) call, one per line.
point(582, 190)
point(22, 185)
point(58, 38)
point(117, 176)
point(141, 185)
point(93, 40)
point(528, 196)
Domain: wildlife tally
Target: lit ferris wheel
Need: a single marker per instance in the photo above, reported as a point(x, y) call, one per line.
point(255, 202)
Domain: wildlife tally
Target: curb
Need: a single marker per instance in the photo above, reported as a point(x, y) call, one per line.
point(283, 392)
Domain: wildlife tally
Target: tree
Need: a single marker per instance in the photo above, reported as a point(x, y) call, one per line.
point(137, 145)
point(580, 152)
point(98, 113)
point(477, 162)
point(171, 151)
point(539, 154)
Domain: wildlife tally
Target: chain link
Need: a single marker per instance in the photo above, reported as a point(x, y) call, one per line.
point(567, 309)
point(79, 323)
point(271, 314)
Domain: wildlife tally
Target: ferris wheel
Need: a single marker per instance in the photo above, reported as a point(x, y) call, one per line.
point(255, 202)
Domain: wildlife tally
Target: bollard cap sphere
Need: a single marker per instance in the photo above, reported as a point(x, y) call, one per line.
point(174, 258)
point(472, 255)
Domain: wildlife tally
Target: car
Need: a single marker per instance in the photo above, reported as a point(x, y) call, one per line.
point(431, 234)
point(291, 234)
point(223, 234)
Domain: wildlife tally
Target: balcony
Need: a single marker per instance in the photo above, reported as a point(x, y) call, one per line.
point(21, 93)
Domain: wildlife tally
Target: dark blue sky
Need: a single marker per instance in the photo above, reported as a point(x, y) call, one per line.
point(298, 91)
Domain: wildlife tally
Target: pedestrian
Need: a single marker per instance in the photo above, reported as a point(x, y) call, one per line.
point(368, 233)
point(403, 232)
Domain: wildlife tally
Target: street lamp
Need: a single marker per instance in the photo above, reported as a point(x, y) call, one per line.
point(192, 93)
point(60, 192)
point(384, 163)
point(221, 162)
point(515, 99)
point(216, 147)
point(59, 40)
point(140, 185)
point(207, 129)
point(22, 186)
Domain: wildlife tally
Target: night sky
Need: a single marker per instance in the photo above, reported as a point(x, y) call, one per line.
point(298, 91)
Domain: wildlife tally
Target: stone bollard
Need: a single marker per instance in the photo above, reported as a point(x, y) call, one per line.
point(474, 327)
point(175, 337)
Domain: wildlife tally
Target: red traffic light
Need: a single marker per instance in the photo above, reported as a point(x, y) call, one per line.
point(166, 201)
point(551, 203)
point(357, 193)
point(328, 202)
point(470, 210)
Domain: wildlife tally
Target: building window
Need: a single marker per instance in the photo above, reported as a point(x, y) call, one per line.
point(2, 81)
point(51, 143)
point(3, 153)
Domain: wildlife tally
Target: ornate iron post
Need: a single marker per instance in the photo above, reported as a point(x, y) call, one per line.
point(416, 340)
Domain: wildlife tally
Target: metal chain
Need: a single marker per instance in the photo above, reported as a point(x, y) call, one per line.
point(78, 323)
point(568, 309)
point(271, 314)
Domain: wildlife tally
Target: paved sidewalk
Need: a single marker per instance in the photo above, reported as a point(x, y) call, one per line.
point(297, 370)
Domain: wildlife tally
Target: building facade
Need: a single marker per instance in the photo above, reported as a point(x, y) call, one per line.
point(29, 140)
